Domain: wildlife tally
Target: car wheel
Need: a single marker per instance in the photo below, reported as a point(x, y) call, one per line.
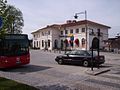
point(60, 61)
point(85, 63)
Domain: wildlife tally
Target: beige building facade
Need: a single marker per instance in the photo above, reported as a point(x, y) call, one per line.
point(70, 35)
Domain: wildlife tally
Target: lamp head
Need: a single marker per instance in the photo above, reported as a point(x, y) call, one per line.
point(75, 16)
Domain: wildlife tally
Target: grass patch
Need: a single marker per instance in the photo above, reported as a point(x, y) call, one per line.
point(6, 84)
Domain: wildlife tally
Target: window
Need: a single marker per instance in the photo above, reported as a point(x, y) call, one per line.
point(77, 42)
point(83, 42)
point(48, 32)
point(71, 31)
point(48, 43)
point(34, 44)
point(42, 34)
point(34, 36)
point(14, 47)
point(71, 52)
point(37, 43)
point(66, 43)
point(98, 31)
point(61, 32)
point(77, 30)
point(83, 30)
point(62, 44)
point(66, 31)
point(42, 43)
point(56, 44)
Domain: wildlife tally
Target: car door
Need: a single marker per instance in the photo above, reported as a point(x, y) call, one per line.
point(70, 57)
point(74, 56)
point(80, 56)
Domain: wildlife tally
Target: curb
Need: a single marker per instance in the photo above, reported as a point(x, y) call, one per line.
point(97, 71)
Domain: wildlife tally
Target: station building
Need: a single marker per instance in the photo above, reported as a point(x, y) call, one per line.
point(70, 35)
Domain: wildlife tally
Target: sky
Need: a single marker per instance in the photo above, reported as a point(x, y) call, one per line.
point(40, 13)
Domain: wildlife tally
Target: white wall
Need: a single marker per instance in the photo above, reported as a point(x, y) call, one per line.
point(104, 36)
point(54, 35)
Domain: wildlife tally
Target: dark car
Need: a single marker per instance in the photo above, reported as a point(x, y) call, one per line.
point(83, 57)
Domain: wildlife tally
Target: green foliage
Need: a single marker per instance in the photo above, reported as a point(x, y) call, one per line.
point(2, 33)
point(2, 6)
point(12, 19)
point(2, 9)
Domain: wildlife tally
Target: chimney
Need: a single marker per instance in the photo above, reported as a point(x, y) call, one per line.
point(74, 21)
point(69, 21)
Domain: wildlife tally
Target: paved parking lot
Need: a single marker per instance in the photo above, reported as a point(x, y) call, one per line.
point(45, 74)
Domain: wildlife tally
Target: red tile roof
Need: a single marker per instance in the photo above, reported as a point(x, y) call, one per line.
point(71, 23)
point(81, 23)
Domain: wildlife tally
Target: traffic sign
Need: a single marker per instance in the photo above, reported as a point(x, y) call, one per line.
point(1, 22)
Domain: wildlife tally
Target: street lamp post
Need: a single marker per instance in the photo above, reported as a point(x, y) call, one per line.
point(76, 16)
point(98, 50)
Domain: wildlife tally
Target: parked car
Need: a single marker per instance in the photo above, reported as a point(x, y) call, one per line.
point(83, 57)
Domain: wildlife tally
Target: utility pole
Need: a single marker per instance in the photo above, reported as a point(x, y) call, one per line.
point(98, 50)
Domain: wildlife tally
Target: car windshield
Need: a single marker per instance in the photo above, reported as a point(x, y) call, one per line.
point(70, 52)
point(78, 52)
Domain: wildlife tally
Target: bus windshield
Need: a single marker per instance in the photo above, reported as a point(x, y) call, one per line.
point(14, 46)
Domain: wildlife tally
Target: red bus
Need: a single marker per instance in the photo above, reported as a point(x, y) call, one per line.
point(14, 50)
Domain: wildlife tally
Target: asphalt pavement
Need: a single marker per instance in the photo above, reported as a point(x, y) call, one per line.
point(44, 73)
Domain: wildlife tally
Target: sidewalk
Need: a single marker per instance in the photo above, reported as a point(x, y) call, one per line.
point(50, 79)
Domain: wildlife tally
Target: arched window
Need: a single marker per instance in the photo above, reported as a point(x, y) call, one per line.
point(37, 44)
point(66, 42)
point(61, 44)
point(77, 42)
point(95, 43)
point(71, 43)
point(42, 43)
point(83, 42)
point(56, 44)
point(48, 43)
point(34, 44)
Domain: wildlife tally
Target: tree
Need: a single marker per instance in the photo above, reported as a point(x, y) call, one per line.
point(12, 19)
point(2, 9)
point(2, 5)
